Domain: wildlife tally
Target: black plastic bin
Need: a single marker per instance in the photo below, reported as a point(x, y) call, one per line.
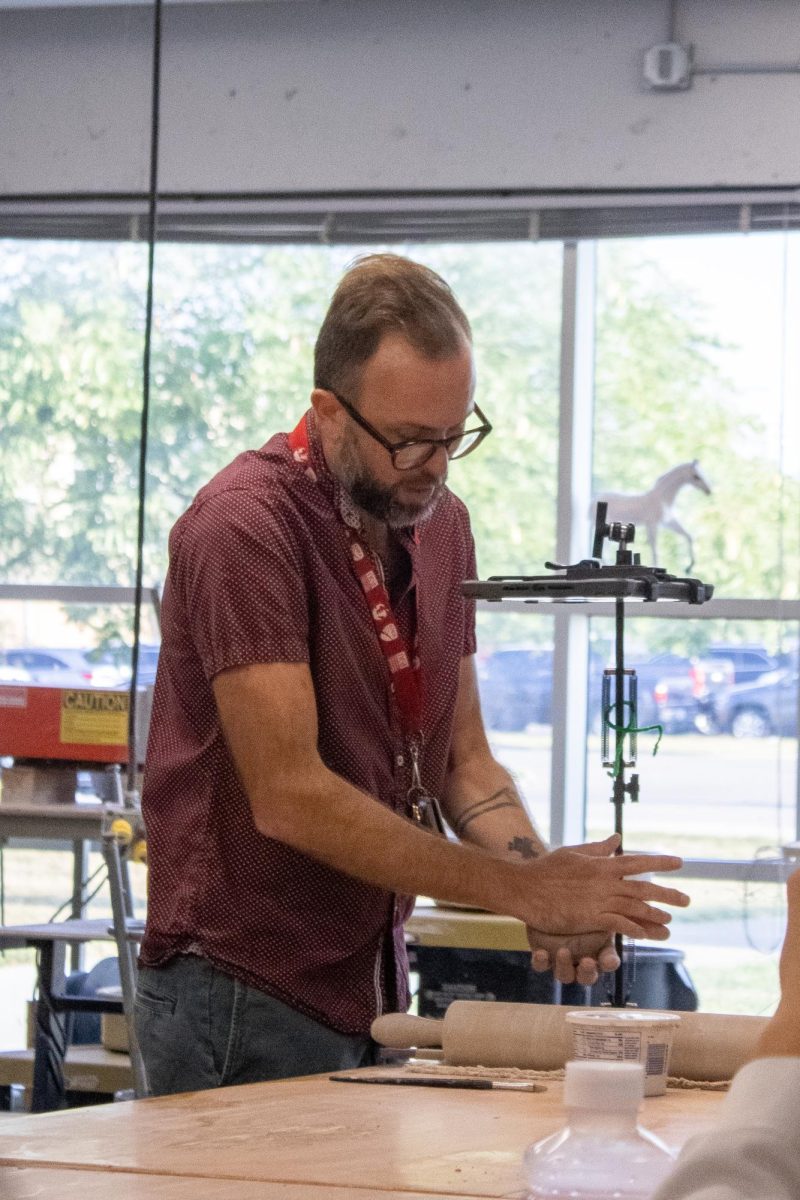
point(656, 978)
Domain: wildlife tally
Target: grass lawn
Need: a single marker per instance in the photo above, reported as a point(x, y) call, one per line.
point(36, 884)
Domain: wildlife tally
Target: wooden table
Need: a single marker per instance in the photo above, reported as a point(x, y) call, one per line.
point(314, 1132)
point(438, 925)
point(45, 1183)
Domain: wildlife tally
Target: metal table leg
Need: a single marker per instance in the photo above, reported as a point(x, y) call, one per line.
point(80, 869)
point(50, 1042)
point(122, 910)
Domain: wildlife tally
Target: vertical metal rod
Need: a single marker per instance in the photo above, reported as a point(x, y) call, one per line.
point(152, 224)
point(80, 870)
point(571, 629)
point(50, 1039)
point(619, 776)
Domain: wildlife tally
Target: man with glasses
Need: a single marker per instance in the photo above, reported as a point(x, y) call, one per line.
point(316, 722)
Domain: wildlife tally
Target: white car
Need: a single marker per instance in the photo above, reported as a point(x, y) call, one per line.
point(57, 668)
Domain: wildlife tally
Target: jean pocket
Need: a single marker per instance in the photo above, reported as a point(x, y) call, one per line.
point(162, 1006)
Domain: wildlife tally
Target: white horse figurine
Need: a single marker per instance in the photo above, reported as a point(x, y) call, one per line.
point(656, 507)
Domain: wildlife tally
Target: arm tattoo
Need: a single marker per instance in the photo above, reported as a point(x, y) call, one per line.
point(523, 846)
point(505, 798)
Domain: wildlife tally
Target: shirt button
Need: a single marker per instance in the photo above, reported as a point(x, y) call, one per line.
point(399, 760)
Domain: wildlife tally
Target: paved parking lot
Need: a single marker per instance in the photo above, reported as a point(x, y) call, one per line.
point(706, 787)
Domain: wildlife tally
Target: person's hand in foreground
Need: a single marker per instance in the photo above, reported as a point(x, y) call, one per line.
point(782, 1035)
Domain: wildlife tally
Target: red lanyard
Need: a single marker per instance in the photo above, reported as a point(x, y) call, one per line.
point(405, 676)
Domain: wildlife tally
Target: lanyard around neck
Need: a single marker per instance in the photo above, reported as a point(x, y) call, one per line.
point(405, 675)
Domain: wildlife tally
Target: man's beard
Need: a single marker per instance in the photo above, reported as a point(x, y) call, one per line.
point(380, 500)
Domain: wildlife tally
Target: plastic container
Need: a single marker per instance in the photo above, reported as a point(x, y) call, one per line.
point(601, 1153)
point(626, 1035)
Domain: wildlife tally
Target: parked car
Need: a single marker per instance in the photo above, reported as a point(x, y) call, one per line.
point(675, 691)
point(678, 692)
point(59, 668)
point(516, 687)
point(148, 664)
point(13, 674)
point(766, 706)
point(750, 662)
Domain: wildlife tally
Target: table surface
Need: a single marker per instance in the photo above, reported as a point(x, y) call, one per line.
point(82, 930)
point(51, 821)
point(99, 929)
point(49, 1183)
point(315, 1132)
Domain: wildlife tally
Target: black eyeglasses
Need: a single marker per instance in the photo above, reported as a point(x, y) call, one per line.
point(414, 453)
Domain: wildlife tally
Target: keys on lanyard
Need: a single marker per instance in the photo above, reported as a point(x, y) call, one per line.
point(422, 807)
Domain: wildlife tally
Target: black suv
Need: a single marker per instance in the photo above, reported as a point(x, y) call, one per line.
point(749, 662)
point(516, 687)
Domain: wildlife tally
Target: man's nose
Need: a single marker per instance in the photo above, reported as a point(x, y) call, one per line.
point(439, 463)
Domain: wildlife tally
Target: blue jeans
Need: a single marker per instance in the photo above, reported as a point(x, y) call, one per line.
point(199, 1028)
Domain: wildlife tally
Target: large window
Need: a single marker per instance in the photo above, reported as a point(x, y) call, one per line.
point(688, 359)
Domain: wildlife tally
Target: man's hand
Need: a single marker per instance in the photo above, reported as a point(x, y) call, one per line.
point(573, 960)
point(577, 959)
point(586, 889)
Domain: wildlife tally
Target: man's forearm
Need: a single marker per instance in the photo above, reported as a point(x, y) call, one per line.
point(328, 818)
point(321, 814)
point(296, 799)
point(484, 807)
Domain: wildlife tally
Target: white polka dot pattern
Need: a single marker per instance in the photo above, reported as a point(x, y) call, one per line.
point(260, 572)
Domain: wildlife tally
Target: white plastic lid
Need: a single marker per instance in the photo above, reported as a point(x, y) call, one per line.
point(603, 1085)
point(621, 1017)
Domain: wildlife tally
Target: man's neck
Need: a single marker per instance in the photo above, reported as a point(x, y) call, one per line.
point(377, 534)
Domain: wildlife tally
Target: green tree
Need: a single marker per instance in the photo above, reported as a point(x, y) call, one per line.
point(234, 328)
point(663, 396)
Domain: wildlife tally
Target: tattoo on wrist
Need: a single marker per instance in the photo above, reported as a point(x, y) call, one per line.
point(524, 846)
point(505, 798)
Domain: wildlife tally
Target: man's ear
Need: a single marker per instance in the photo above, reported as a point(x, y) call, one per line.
point(327, 408)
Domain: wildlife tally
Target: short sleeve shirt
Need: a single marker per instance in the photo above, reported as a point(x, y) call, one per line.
point(260, 572)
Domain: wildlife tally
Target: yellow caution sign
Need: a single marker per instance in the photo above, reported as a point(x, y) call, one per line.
point(94, 718)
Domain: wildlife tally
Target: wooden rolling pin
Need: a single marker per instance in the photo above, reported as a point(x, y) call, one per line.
point(707, 1046)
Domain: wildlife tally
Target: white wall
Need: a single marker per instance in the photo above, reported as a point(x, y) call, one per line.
point(375, 95)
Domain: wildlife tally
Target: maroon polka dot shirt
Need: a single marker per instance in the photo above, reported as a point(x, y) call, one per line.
point(260, 572)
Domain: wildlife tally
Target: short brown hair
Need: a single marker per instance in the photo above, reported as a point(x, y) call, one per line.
point(379, 294)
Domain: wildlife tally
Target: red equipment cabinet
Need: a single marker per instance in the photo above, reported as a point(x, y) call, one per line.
point(73, 724)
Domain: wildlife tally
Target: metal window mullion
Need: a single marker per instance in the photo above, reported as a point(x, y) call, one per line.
point(571, 627)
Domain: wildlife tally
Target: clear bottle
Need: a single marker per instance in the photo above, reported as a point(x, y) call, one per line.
point(601, 1153)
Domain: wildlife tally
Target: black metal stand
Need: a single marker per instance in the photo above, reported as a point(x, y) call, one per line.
point(621, 788)
point(584, 582)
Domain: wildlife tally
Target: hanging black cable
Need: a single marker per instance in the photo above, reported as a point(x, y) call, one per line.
point(152, 217)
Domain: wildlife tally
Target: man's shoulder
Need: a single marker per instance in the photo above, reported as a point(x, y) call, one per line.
point(259, 489)
point(264, 473)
